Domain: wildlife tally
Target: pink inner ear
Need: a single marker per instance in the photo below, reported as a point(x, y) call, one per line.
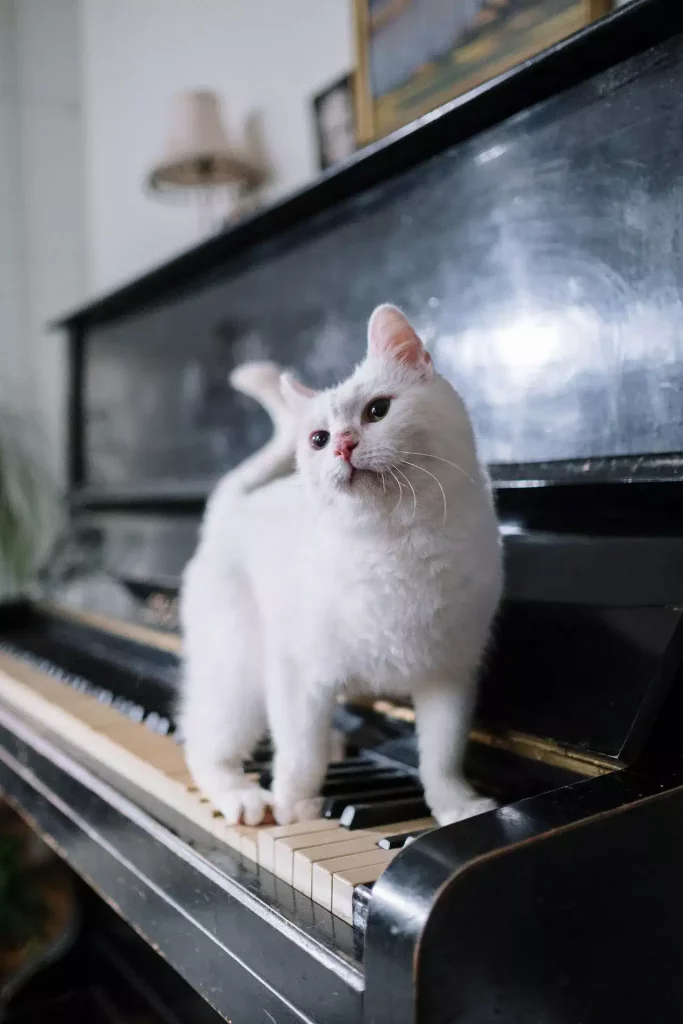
point(289, 385)
point(391, 336)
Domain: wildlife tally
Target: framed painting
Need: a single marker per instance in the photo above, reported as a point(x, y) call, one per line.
point(414, 55)
point(334, 117)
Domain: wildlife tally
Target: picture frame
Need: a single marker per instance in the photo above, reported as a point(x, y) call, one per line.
point(334, 116)
point(414, 55)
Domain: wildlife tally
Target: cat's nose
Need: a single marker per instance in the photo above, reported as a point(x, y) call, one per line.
point(344, 444)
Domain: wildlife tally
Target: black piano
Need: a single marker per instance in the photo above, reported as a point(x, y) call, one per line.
point(533, 229)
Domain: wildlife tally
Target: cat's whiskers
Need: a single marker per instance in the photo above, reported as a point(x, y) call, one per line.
point(404, 462)
point(400, 490)
point(426, 455)
point(412, 518)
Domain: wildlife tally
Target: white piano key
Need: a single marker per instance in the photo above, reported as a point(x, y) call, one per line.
point(286, 848)
point(130, 750)
point(343, 884)
point(323, 871)
point(304, 859)
point(268, 837)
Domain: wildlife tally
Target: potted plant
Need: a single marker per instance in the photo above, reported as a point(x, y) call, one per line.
point(36, 901)
point(26, 499)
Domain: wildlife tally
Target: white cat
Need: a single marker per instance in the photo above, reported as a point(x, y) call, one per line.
point(375, 567)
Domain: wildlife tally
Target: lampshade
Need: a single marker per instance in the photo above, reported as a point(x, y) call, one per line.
point(197, 152)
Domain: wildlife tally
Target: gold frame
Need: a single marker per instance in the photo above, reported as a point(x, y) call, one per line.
point(369, 127)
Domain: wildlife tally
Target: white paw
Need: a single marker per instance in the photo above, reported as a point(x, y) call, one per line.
point(301, 810)
point(248, 805)
point(465, 809)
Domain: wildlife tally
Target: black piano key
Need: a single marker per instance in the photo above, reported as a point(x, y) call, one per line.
point(334, 806)
point(359, 760)
point(127, 668)
point(367, 815)
point(351, 782)
point(123, 698)
point(360, 783)
point(262, 752)
point(351, 766)
point(336, 769)
point(397, 842)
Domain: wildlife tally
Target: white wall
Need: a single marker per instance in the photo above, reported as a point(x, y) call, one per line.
point(42, 238)
point(85, 87)
point(52, 180)
point(263, 56)
point(13, 355)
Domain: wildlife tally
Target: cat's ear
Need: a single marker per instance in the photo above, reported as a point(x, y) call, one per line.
point(391, 336)
point(294, 392)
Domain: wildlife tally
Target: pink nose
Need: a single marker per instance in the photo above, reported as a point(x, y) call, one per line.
point(344, 445)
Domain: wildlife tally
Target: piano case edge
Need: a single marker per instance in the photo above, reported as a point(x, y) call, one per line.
point(527, 890)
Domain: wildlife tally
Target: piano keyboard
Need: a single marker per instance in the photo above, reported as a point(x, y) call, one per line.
point(323, 859)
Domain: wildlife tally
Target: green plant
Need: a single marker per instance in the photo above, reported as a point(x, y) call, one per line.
point(24, 496)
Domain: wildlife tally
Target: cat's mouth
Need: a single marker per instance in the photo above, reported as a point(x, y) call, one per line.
point(359, 474)
point(352, 477)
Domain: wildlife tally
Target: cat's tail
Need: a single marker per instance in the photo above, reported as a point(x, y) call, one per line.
point(261, 381)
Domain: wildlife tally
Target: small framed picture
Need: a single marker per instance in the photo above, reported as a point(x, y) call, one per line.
point(414, 55)
point(334, 112)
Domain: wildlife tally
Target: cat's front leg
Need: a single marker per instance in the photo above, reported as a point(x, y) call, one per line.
point(300, 721)
point(443, 712)
point(221, 725)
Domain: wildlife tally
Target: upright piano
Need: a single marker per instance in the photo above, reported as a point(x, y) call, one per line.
point(533, 229)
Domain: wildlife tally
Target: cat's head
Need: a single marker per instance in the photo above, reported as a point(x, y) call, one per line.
point(357, 441)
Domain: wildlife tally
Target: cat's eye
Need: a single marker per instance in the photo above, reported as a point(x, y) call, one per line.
point(377, 409)
point(319, 438)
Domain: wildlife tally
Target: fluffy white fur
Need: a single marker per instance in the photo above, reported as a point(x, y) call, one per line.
point(377, 569)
